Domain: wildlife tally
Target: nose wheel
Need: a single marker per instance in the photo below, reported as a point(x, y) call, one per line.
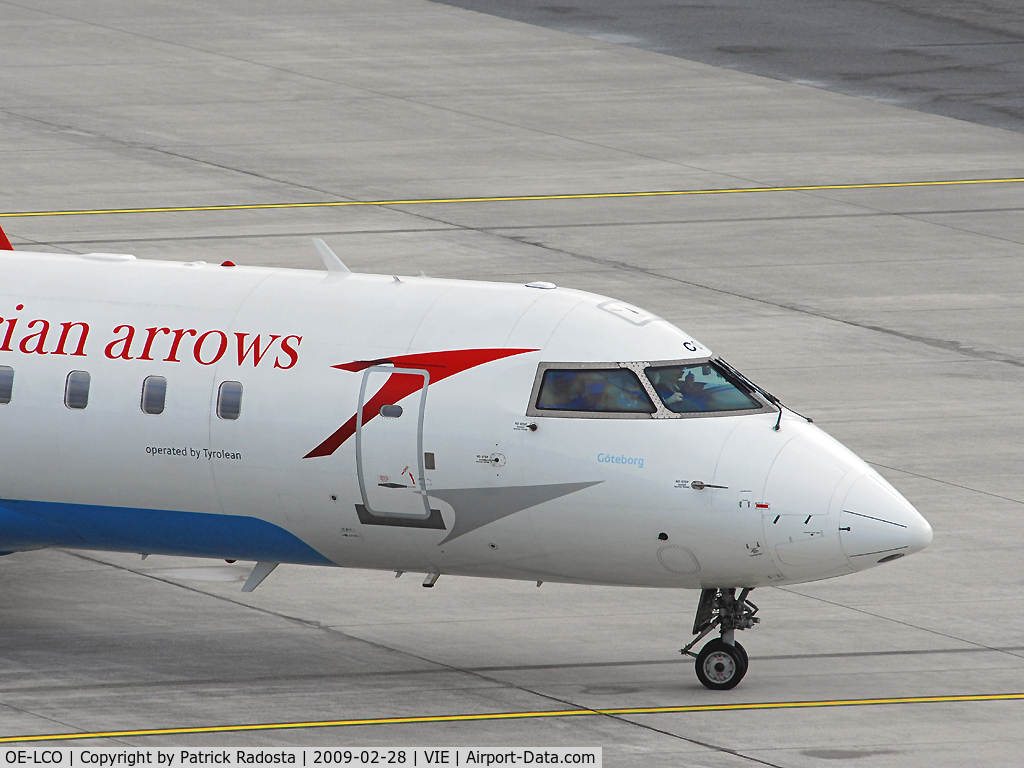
point(722, 662)
point(721, 666)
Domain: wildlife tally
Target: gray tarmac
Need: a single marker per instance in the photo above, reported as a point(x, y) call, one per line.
point(892, 315)
point(959, 58)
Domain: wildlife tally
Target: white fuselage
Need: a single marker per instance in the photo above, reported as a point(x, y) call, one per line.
point(512, 491)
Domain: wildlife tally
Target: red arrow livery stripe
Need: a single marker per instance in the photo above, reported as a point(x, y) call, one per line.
point(441, 365)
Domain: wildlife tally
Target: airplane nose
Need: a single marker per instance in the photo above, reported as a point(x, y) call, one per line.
point(878, 525)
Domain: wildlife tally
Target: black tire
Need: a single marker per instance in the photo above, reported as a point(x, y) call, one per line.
point(743, 653)
point(720, 666)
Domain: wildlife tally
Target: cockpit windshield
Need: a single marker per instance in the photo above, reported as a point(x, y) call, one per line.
point(612, 390)
point(698, 388)
point(675, 389)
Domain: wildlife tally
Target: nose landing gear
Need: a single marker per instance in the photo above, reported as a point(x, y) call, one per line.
point(722, 662)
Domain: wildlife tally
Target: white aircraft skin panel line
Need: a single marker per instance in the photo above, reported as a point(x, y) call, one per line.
point(506, 431)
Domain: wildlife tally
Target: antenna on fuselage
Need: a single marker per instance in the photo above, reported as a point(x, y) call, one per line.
point(330, 258)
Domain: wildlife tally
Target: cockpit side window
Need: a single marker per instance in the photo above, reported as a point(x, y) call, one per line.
point(611, 390)
point(699, 388)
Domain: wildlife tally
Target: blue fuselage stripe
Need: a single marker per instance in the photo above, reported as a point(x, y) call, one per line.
point(35, 524)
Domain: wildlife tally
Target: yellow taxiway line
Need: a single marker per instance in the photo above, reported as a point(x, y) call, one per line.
point(508, 198)
point(622, 711)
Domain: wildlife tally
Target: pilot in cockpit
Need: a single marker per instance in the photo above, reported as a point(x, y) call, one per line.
point(675, 390)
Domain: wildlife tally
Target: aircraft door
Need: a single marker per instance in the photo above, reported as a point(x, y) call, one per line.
point(389, 441)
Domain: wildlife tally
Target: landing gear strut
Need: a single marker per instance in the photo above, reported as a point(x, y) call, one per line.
point(722, 662)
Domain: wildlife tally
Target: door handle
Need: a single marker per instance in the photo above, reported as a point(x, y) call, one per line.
point(697, 485)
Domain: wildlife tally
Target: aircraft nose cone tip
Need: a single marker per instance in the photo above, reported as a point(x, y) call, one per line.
point(879, 525)
point(920, 534)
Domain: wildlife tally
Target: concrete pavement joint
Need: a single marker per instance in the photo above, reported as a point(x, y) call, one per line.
point(269, 679)
point(545, 227)
point(946, 482)
point(13, 708)
point(918, 216)
point(980, 646)
point(952, 346)
point(178, 155)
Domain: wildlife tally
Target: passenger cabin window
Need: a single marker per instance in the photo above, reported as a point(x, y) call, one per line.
point(76, 390)
point(154, 392)
point(699, 388)
point(6, 384)
point(229, 400)
point(612, 390)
